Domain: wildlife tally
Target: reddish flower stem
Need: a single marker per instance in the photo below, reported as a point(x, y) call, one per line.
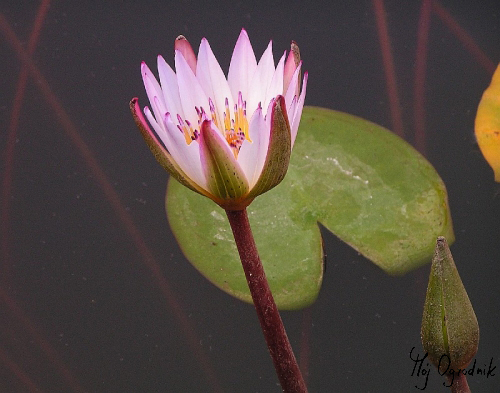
point(280, 349)
point(459, 384)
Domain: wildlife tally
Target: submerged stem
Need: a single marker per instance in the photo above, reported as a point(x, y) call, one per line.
point(272, 326)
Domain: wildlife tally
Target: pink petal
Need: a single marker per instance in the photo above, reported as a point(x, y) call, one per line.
point(184, 47)
point(294, 126)
point(261, 80)
point(252, 155)
point(153, 90)
point(291, 110)
point(293, 86)
point(157, 127)
point(169, 87)
point(186, 156)
point(292, 62)
point(242, 67)
point(289, 70)
point(276, 86)
point(213, 81)
point(190, 91)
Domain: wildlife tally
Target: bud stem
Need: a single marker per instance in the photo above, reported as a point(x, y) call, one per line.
point(459, 384)
point(279, 346)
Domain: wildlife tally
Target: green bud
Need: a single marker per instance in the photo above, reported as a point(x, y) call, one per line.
point(450, 332)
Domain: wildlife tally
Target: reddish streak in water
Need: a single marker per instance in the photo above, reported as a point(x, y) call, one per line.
point(424, 23)
point(5, 209)
point(113, 198)
point(467, 41)
point(15, 309)
point(11, 141)
point(390, 73)
point(18, 372)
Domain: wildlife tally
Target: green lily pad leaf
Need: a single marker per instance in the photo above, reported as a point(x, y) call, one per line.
point(363, 183)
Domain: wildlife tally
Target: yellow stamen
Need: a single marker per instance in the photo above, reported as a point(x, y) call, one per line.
point(189, 133)
point(213, 113)
point(235, 140)
point(240, 117)
point(235, 130)
point(227, 118)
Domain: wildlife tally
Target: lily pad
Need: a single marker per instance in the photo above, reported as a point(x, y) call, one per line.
point(363, 183)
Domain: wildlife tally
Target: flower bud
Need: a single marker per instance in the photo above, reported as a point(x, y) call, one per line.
point(450, 332)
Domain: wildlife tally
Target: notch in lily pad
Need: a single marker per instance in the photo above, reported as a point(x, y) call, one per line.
point(360, 181)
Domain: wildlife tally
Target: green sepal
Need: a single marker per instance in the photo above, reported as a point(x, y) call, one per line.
point(225, 178)
point(278, 152)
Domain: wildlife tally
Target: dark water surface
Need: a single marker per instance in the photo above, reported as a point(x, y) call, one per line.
point(81, 306)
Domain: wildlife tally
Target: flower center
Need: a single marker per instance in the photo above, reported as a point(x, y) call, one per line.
point(235, 129)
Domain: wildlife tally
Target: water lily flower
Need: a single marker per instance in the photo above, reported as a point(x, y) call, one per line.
point(229, 139)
